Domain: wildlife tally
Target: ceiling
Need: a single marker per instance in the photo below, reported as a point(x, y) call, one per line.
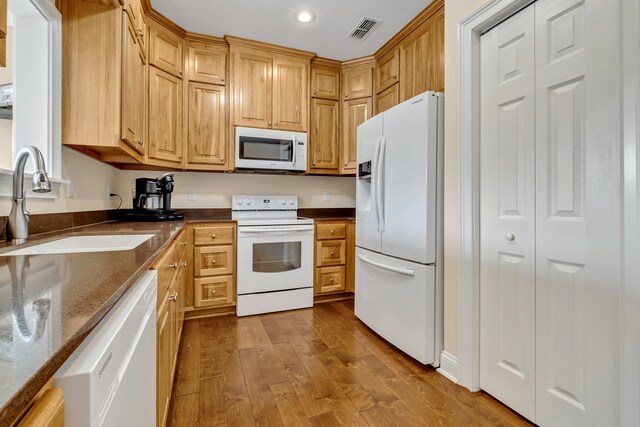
point(272, 21)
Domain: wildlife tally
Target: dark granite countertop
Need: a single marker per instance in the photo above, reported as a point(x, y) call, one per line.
point(50, 303)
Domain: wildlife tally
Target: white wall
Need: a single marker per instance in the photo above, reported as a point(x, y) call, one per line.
point(214, 190)
point(454, 12)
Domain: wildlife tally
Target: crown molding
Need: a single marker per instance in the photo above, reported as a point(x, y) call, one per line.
point(253, 44)
point(326, 62)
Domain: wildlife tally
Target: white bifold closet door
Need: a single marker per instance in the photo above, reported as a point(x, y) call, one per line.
point(551, 163)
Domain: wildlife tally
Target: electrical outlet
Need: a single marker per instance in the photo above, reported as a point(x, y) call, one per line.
point(71, 190)
point(327, 196)
point(108, 192)
point(191, 195)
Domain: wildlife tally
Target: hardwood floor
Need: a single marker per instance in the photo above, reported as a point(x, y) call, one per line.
point(315, 367)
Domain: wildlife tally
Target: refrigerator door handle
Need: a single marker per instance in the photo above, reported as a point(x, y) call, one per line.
point(405, 271)
point(374, 183)
point(380, 184)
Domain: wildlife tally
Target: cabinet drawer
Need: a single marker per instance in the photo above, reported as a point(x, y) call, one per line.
point(331, 231)
point(213, 260)
point(214, 235)
point(330, 252)
point(330, 279)
point(213, 291)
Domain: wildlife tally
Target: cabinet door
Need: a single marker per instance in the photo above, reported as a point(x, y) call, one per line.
point(252, 76)
point(133, 80)
point(207, 124)
point(165, 116)
point(354, 113)
point(357, 83)
point(141, 27)
point(387, 99)
point(325, 83)
point(207, 64)
point(165, 51)
point(387, 70)
point(421, 59)
point(324, 148)
point(163, 364)
point(290, 94)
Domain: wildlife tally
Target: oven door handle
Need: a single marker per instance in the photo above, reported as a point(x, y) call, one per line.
point(275, 230)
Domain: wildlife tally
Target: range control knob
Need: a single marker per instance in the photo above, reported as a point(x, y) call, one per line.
point(247, 202)
point(239, 202)
point(291, 202)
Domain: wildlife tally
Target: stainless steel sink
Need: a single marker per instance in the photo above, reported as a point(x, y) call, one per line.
point(78, 244)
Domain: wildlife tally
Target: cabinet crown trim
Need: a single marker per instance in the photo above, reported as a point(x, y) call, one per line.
point(253, 44)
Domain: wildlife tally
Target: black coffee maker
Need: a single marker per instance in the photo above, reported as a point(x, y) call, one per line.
point(152, 200)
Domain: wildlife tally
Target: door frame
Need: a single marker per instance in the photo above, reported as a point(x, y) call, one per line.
point(469, 31)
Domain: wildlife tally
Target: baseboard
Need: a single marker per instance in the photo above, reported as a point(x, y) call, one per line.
point(448, 367)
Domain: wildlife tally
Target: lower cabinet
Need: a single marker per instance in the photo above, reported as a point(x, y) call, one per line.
point(334, 256)
point(45, 410)
point(172, 275)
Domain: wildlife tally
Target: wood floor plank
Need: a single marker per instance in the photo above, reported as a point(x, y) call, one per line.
point(314, 367)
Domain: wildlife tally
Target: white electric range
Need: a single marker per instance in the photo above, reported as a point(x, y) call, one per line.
point(275, 254)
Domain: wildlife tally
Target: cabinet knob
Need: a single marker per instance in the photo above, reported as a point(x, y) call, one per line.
point(333, 253)
point(510, 237)
point(314, 163)
point(222, 158)
point(346, 164)
point(394, 77)
point(173, 297)
point(269, 123)
point(331, 280)
point(174, 265)
point(140, 32)
point(213, 236)
point(180, 156)
point(184, 264)
point(314, 91)
point(346, 95)
point(183, 244)
point(221, 78)
point(213, 292)
point(332, 232)
point(139, 142)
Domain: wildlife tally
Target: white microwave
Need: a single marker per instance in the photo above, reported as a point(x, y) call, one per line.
point(270, 149)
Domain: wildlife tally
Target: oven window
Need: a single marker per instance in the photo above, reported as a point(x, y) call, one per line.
point(276, 257)
point(276, 150)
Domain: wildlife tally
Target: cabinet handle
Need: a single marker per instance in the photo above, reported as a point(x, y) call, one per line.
point(184, 264)
point(173, 297)
point(183, 244)
point(174, 265)
point(140, 32)
point(139, 142)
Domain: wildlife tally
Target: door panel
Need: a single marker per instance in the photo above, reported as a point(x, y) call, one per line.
point(252, 90)
point(133, 81)
point(207, 64)
point(207, 115)
point(165, 116)
point(290, 94)
point(409, 162)
point(354, 113)
point(578, 213)
point(367, 227)
point(507, 202)
point(324, 137)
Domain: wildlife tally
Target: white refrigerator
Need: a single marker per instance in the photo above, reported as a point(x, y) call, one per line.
point(399, 277)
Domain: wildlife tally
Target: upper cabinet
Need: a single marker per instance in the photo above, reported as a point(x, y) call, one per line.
point(139, 21)
point(165, 50)
point(357, 82)
point(325, 81)
point(422, 58)
point(387, 70)
point(354, 113)
point(269, 86)
point(165, 116)
point(207, 63)
point(103, 90)
point(3, 33)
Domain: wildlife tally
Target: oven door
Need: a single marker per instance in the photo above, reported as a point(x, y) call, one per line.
point(274, 258)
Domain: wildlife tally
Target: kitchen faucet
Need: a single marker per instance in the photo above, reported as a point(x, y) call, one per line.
point(18, 227)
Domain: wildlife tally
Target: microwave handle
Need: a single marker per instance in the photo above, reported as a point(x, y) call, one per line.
point(295, 150)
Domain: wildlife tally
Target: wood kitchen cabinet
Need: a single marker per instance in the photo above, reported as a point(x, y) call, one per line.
point(172, 281)
point(325, 80)
point(3, 33)
point(354, 113)
point(207, 63)
point(207, 127)
point(387, 71)
point(269, 86)
point(165, 50)
point(136, 13)
point(324, 137)
point(165, 117)
point(422, 58)
point(357, 82)
point(103, 88)
point(387, 98)
point(47, 410)
point(214, 265)
point(334, 256)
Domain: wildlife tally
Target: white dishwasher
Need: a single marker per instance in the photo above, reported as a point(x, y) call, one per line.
point(110, 380)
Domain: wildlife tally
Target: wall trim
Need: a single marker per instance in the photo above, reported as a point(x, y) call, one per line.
point(448, 367)
point(469, 31)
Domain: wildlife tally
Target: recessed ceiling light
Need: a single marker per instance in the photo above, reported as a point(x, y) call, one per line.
point(305, 16)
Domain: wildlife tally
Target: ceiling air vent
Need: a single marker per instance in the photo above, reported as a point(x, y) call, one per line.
point(363, 28)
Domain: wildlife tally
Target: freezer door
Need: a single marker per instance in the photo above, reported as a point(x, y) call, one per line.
point(396, 299)
point(368, 234)
point(409, 191)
